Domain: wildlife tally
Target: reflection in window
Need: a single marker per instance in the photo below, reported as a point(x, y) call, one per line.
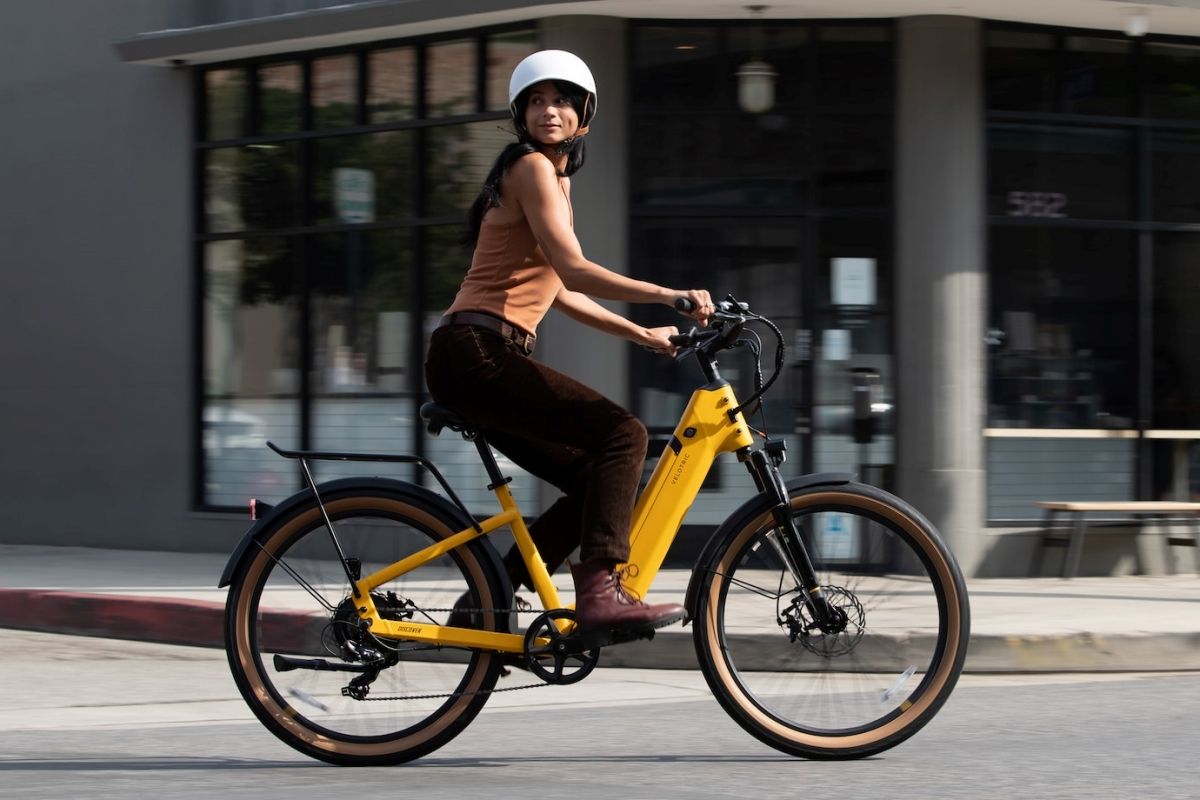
point(1040, 171)
point(784, 48)
point(1173, 80)
point(447, 259)
point(1020, 70)
point(280, 98)
point(676, 68)
point(362, 304)
point(362, 309)
point(1063, 328)
point(250, 188)
point(853, 342)
point(333, 93)
point(1097, 76)
point(855, 65)
point(251, 354)
point(1174, 177)
point(225, 103)
point(451, 70)
point(1176, 330)
point(504, 52)
point(719, 156)
point(457, 159)
point(854, 166)
point(702, 167)
point(388, 157)
point(347, 293)
point(392, 83)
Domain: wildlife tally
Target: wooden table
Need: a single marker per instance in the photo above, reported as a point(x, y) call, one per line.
point(1160, 509)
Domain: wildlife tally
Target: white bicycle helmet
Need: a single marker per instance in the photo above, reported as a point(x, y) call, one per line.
point(553, 65)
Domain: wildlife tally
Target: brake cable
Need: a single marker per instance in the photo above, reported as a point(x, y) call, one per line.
point(760, 391)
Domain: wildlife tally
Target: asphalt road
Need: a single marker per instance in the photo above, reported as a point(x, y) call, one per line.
point(96, 718)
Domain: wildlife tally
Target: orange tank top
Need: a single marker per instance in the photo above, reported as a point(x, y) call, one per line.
point(510, 277)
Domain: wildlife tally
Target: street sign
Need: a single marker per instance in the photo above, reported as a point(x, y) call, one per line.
point(354, 195)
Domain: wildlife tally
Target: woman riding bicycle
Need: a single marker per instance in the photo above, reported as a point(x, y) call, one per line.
point(526, 260)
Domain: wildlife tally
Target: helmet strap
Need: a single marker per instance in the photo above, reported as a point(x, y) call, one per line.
point(566, 145)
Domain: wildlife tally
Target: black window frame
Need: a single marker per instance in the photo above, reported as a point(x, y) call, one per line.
point(304, 225)
point(1142, 225)
point(810, 213)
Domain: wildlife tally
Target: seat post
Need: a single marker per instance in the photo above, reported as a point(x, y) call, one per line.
point(489, 462)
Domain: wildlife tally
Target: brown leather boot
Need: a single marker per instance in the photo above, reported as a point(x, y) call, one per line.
point(601, 602)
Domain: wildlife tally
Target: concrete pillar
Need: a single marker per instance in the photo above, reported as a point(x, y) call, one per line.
point(599, 195)
point(941, 278)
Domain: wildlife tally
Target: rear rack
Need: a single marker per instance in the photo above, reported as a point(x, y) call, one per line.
point(304, 456)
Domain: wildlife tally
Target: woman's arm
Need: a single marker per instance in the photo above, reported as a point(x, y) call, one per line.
point(534, 183)
point(581, 308)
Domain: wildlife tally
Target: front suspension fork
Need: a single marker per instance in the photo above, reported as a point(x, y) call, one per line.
point(786, 539)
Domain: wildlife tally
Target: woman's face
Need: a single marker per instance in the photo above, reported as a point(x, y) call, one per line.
point(549, 116)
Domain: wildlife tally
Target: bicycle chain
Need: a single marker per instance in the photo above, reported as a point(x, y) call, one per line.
point(493, 690)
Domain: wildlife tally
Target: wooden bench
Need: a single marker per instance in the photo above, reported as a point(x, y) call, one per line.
point(1073, 539)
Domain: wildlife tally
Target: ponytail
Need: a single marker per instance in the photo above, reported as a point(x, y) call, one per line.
point(489, 194)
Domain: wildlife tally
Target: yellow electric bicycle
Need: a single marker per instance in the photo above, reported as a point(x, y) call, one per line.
point(339, 597)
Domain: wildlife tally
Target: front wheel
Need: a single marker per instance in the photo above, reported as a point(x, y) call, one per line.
point(903, 623)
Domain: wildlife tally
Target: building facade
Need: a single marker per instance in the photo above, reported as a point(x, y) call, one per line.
point(237, 222)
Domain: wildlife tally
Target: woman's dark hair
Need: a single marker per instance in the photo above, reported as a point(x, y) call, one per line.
point(489, 195)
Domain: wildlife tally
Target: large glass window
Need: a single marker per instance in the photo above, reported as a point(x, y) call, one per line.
point(314, 246)
point(1175, 417)
point(1091, 366)
point(776, 208)
point(251, 368)
point(1173, 80)
point(1064, 328)
point(1056, 172)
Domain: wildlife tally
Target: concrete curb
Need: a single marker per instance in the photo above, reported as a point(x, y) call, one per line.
point(148, 619)
point(200, 623)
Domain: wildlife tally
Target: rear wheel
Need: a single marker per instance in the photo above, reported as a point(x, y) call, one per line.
point(300, 659)
point(899, 646)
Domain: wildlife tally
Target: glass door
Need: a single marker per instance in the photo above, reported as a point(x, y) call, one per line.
point(759, 262)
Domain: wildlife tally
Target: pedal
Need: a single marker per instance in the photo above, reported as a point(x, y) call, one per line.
point(590, 640)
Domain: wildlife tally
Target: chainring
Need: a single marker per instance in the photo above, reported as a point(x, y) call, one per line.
point(558, 657)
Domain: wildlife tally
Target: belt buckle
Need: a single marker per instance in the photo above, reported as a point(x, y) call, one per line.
point(525, 342)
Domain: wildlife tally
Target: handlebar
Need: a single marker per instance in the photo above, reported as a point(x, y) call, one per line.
point(724, 332)
point(728, 306)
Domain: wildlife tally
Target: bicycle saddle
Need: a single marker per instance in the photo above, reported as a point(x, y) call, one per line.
point(438, 416)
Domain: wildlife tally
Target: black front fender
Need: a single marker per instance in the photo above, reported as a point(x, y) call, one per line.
point(328, 490)
point(759, 504)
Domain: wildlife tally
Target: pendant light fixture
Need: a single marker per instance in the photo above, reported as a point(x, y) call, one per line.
point(756, 78)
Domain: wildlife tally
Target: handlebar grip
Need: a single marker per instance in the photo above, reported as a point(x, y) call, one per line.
point(680, 339)
point(684, 306)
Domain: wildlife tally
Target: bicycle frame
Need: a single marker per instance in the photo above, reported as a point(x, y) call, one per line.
point(706, 430)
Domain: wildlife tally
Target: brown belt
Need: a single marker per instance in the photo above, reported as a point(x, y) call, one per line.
point(520, 338)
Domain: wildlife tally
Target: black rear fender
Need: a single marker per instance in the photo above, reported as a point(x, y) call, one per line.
point(401, 490)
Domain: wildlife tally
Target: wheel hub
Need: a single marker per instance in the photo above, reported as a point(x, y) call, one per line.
point(840, 636)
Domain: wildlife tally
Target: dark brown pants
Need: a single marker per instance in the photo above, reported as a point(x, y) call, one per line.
point(553, 427)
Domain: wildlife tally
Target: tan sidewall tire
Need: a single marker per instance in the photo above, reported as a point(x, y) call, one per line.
point(285, 722)
point(937, 685)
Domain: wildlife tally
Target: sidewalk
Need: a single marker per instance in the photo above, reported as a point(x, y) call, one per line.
point(1140, 623)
